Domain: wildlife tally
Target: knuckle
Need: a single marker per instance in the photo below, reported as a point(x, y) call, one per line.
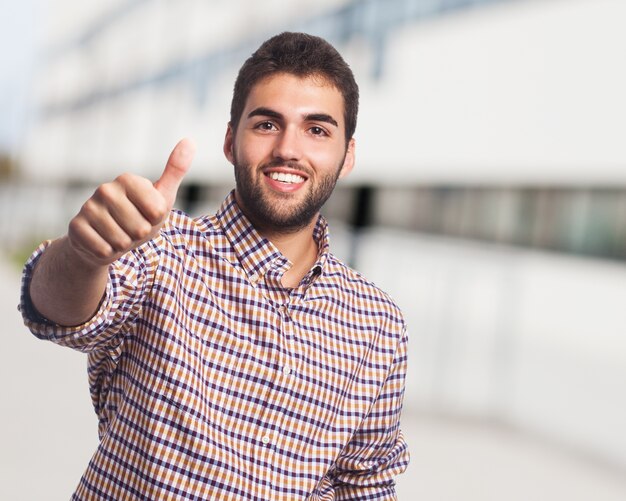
point(106, 192)
point(78, 228)
point(125, 179)
point(121, 243)
point(143, 230)
point(74, 226)
point(155, 210)
point(102, 252)
point(88, 209)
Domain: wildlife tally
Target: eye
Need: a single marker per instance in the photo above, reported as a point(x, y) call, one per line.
point(265, 126)
point(318, 131)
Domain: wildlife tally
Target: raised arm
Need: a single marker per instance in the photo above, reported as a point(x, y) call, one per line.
point(71, 276)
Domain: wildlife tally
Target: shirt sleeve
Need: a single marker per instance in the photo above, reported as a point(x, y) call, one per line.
point(377, 452)
point(130, 277)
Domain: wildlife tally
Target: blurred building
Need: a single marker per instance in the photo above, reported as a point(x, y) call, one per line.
point(493, 120)
point(489, 195)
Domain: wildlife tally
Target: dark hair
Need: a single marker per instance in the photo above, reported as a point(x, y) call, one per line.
point(301, 55)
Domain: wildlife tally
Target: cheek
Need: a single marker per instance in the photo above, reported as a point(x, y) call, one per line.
point(253, 151)
point(327, 159)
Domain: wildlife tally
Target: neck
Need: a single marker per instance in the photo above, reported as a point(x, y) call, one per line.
point(299, 247)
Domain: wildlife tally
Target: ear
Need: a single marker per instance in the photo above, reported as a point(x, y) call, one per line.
point(229, 144)
point(348, 161)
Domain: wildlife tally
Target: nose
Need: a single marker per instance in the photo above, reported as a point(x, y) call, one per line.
point(287, 146)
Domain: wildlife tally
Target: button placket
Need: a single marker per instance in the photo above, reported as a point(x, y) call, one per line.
point(285, 372)
point(289, 362)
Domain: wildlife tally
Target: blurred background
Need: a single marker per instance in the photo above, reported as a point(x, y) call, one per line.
point(489, 199)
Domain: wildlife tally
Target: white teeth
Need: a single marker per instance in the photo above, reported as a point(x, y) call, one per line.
point(286, 178)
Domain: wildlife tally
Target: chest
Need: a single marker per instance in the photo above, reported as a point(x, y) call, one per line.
point(286, 377)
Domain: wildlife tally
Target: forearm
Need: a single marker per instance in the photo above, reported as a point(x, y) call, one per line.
point(70, 278)
point(65, 288)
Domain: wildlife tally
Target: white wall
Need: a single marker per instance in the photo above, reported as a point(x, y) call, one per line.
point(524, 91)
point(518, 92)
point(524, 338)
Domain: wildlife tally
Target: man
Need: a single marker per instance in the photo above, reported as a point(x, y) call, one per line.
point(233, 356)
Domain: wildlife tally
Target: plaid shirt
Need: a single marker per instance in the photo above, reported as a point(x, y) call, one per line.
point(212, 381)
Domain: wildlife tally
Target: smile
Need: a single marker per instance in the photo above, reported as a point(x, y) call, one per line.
point(283, 177)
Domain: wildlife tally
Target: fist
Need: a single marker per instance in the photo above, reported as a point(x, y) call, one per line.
point(125, 213)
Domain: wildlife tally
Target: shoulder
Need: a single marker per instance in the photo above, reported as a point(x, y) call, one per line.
point(184, 231)
point(362, 292)
point(181, 225)
point(184, 236)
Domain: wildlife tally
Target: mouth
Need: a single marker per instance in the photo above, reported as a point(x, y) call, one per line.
point(285, 179)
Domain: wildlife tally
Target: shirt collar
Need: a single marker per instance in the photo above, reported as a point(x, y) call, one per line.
point(255, 253)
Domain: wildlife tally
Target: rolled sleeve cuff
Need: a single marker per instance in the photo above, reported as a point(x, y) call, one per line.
point(374, 472)
point(44, 328)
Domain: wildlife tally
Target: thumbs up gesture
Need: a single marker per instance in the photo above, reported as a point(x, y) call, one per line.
point(125, 213)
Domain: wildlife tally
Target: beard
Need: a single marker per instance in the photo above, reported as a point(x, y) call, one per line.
point(277, 212)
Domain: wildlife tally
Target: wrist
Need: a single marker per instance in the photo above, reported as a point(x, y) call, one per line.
point(76, 258)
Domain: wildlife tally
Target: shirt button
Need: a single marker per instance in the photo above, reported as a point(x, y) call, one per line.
point(265, 440)
point(286, 370)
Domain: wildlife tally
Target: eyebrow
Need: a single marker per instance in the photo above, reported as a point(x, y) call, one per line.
point(264, 112)
point(315, 117)
point(321, 117)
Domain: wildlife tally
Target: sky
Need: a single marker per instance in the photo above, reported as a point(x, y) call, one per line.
point(19, 24)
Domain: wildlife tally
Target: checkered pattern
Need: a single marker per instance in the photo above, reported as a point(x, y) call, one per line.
point(212, 381)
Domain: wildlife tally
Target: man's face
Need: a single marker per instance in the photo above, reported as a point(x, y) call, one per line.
point(288, 151)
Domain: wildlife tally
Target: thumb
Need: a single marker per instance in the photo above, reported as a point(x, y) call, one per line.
point(177, 166)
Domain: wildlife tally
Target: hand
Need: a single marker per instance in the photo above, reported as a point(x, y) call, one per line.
point(123, 214)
